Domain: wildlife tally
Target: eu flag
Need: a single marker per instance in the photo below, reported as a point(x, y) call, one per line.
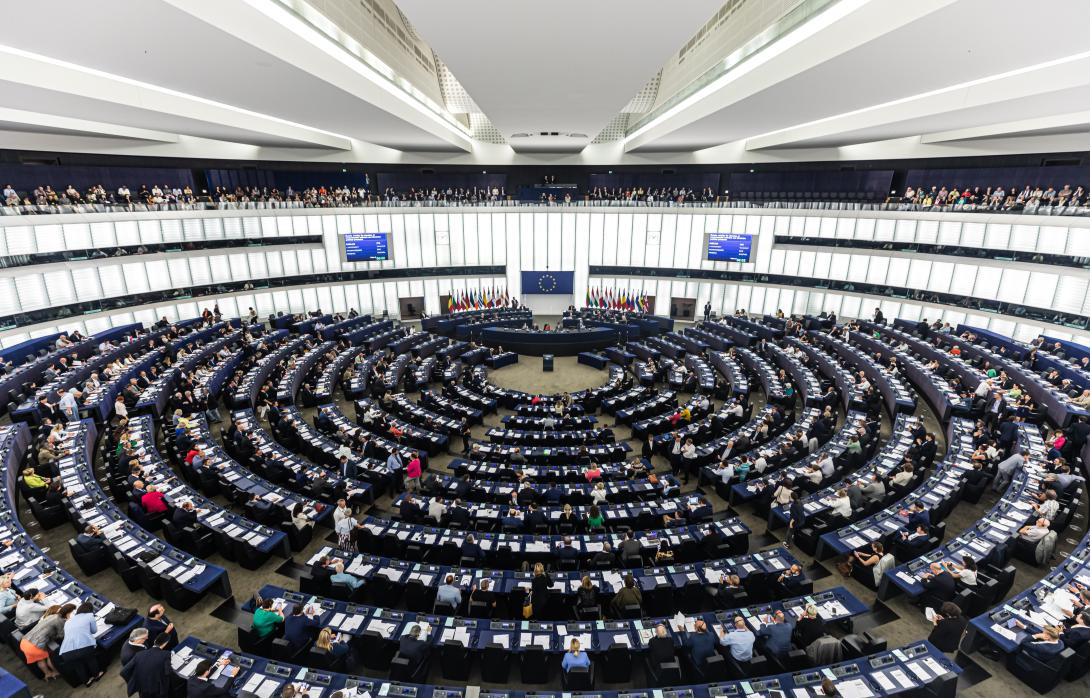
point(548, 282)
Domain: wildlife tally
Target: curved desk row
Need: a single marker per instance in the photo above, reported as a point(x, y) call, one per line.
point(562, 343)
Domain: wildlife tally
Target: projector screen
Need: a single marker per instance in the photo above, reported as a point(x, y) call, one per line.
point(729, 247)
point(366, 247)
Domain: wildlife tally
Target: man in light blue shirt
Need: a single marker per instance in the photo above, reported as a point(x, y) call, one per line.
point(739, 639)
point(448, 593)
point(341, 577)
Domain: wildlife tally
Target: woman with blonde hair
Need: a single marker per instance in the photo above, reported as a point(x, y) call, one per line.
point(574, 657)
point(540, 586)
point(326, 641)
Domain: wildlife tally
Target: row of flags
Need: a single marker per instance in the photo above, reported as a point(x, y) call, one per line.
point(618, 299)
point(477, 299)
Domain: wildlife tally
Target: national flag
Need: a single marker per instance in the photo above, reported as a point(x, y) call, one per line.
point(450, 302)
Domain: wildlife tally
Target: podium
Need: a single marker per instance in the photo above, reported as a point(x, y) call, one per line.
point(547, 362)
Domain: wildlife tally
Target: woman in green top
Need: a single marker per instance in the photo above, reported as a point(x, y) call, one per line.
point(595, 518)
point(267, 618)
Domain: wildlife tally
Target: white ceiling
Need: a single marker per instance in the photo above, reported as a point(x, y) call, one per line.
point(245, 79)
point(885, 51)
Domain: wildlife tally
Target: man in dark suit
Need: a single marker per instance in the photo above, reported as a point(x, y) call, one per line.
point(137, 642)
point(470, 548)
point(458, 515)
point(410, 510)
point(567, 551)
point(604, 558)
point(918, 516)
point(299, 626)
point(660, 648)
point(534, 518)
point(184, 515)
point(201, 684)
point(412, 647)
point(321, 571)
point(938, 584)
point(157, 623)
point(148, 673)
point(91, 540)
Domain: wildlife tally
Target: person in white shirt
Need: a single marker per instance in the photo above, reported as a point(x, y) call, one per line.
point(760, 463)
point(903, 476)
point(841, 505)
point(825, 465)
point(598, 494)
point(735, 409)
point(69, 405)
point(1049, 507)
point(983, 388)
point(436, 509)
point(725, 471)
point(1034, 533)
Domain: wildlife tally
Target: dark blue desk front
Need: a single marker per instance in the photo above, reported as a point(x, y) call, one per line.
point(564, 343)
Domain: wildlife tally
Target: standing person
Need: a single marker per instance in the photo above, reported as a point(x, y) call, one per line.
point(466, 430)
point(395, 465)
point(797, 517)
point(540, 587)
point(78, 650)
point(707, 311)
point(675, 455)
point(413, 471)
point(148, 673)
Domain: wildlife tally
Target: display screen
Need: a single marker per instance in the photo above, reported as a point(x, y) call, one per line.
point(366, 247)
point(729, 247)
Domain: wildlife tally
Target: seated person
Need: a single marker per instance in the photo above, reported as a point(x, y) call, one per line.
point(965, 573)
point(665, 554)
point(777, 632)
point(472, 549)
point(266, 618)
point(483, 594)
point(660, 648)
point(184, 516)
point(809, 628)
point(918, 515)
point(865, 558)
point(913, 544)
point(448, 593)
point(604, 558)
point(629, 595)
point(701, 643)
point(411, 647)
point(791, 580)
point(91, 540)
point(739, 639)
point(939, 585)
point(574, 657)
point(949, 626)
point(328, 642)
point(595, 518)
point(566, 550)
point(1042, 646)
point(339, 576)
point(298, 625)
point(153, 501)
point(1035, 532)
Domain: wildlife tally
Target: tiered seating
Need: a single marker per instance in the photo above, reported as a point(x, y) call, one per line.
point(559, 468)
point(32, 568)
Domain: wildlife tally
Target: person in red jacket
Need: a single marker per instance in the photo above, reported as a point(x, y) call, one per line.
point(153, 501)
point(413, 472)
